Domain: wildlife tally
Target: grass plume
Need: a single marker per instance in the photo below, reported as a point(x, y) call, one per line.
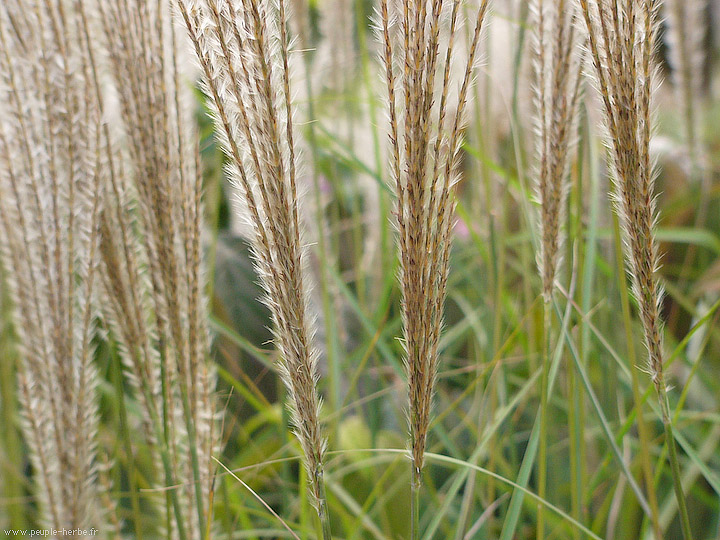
point(622, 43)
point(242, 48)
point(154, 280)
point(51, 177)
point(425, 147)
point(557, 87)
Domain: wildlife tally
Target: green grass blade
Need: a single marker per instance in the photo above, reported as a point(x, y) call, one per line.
point(605, 425)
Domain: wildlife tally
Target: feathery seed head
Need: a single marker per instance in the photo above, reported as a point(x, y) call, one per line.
point(151, 247)
point(425, 137)
point(557, 85)
point(621, 40)
point(50, 181)
point(242, 48)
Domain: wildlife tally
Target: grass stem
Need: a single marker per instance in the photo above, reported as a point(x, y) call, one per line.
point(322, 509)
point(127, 445)
point(542, 456)
point(415, 486)
point(675, 466)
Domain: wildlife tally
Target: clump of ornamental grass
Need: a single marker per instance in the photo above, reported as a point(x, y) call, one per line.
point(242, 48)
point(621, 38)
point(425, 153)
point(51, 176)
point(151, 250)
point(557, 85)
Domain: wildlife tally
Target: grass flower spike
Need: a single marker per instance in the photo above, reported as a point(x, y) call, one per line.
point(425, 145)
point(557, 85)
point(151, 249)
point(242, 48)
point(51, 175)
point(622, 43)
